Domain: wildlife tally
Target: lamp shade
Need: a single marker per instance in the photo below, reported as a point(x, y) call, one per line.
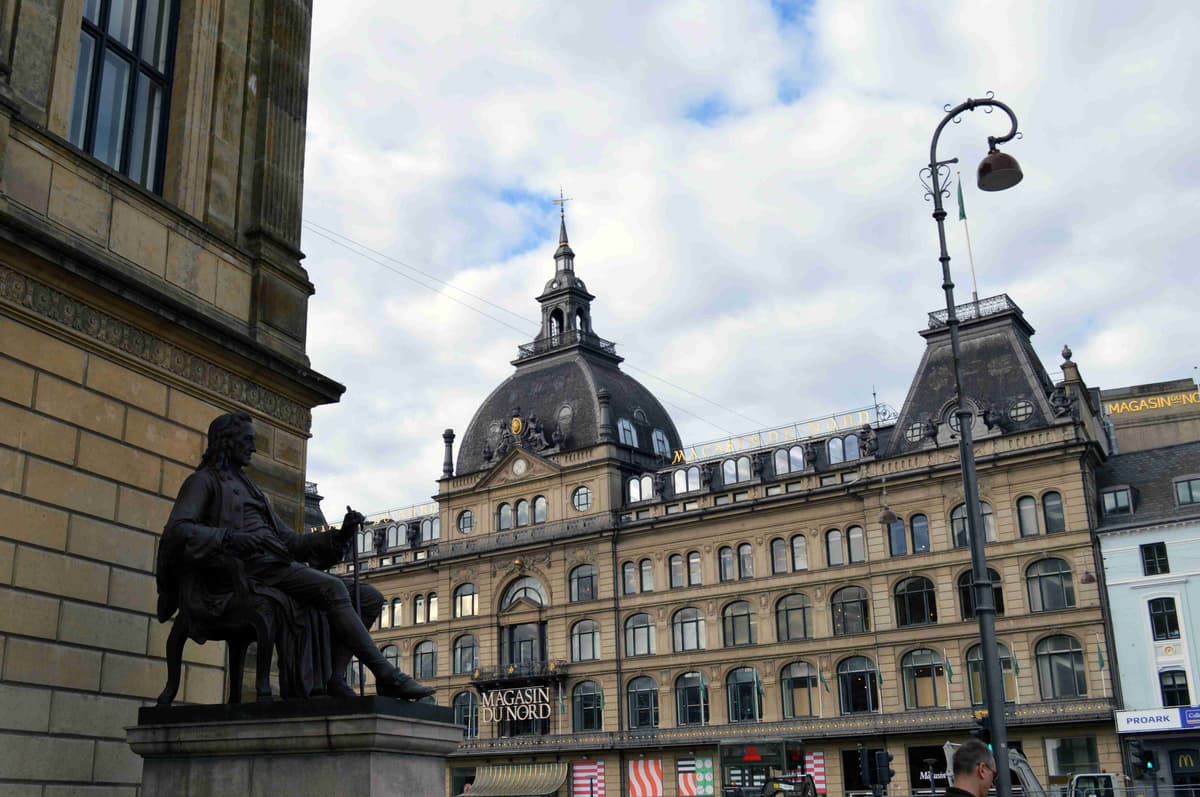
point(999, 171)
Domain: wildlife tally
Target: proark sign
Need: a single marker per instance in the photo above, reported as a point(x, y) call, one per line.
point(524, 703)
point(1158, 719)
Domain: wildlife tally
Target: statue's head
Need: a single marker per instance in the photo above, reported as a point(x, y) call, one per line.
point(230, 441)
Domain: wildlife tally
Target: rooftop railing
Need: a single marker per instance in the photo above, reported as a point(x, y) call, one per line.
point(569, 337)
point(976, 309)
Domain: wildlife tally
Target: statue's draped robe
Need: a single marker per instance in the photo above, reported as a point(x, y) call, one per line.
point(212, 504)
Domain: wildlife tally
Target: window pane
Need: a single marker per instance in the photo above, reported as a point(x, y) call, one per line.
point(83, 87)
point(91, 11)
point(121, 14)
point(1052, 508)
point(154, 34)
point(147, 116)
point(1027, 517)
point(919, 526)
point(896, 538)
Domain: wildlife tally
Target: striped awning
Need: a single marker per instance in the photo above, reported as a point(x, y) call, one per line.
point(517, 780)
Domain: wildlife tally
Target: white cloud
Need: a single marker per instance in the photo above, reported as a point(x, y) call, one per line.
point(747, 210)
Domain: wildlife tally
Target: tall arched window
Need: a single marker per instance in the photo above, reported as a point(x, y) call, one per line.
point(392, 654)
point(1060, 668)
point(915, 602)
point(639, 635)
point(799, 552)
point(646, 569)
point(735, 470)
point(850, 447)
point(583, 583)
point(695, 574)
point(675, 571)
point(922, 671)
point(679, 482)
point(522, 512)
point(397, 613)
point(789, 460)
point(1052, 513)
point(419, 615)
point(504, 517)
point(835, 548)
point(425, 660)
point(556, 326)
point(798, 687)
point(647, 488)
point(691, 699)
point(743, 689)
point(850, 611)
point(431, 602)
point(466, 655)
point(466, 600)
point(725, 563)
point(745, 560)
point(918, 526)
point(585, 641)
point(431, 530)
point(966, 593)
point(395, 537)
point(629, 579)
point(642, 694)
point(837, 453)
point(540, 509)
point(587, 703)
point(1027, 516)
point(366, 541)
point(975, 679)
point(897, 539)
point(856, 544)
point(525, 588)
point(737, 623)
point(385, 617)
point(858, 685)
point(958, 524)
point(1050, 585)
point(687, 630)
point(687, 480)
point(779, 556)
point(793, 617)
point(466, 713)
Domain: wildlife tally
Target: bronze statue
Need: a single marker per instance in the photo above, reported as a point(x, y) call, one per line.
point(224, 548)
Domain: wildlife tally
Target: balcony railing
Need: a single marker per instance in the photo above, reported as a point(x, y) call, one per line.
point(569, 337)
point(972, 310)
point(512, 674)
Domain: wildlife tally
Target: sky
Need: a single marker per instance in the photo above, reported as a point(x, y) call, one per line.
point(745, 202)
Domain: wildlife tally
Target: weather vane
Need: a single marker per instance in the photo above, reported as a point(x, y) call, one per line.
point(562, 203)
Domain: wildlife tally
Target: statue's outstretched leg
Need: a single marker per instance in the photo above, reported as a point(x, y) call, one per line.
point(372, 606)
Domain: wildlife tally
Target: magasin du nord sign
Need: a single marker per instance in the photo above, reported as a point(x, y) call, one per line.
point(522, 703)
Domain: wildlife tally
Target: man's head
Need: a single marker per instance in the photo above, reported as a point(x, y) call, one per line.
point(974, 767)
point(230, 441)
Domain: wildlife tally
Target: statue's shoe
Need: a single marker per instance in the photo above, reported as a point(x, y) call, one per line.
point(403, 687)
point(339, 688)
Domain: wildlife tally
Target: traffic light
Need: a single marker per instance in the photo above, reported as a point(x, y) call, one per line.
point(982, 730)
point(864, 769)
point(883, 767)
point(1149, 756)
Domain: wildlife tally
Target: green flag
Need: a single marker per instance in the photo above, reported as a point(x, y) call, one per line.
point(1016, 665)
point(949, 669)
point(601, 699)
point(962, 210)
point(1099, 656)
point(824, 683)
point(562, 709)
point(758, 686)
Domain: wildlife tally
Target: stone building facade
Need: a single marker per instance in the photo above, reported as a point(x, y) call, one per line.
point(151, 159)
point(606, 608)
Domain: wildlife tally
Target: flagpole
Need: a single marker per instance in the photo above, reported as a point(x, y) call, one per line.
point(962, 214)
point(949, 675)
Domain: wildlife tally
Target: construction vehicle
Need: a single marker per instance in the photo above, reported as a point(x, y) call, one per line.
point(790, 786)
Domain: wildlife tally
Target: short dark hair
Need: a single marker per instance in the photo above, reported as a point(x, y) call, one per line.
point(221, 434)
point(970, 755)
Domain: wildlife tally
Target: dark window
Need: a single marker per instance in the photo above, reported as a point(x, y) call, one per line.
point(691, 699)
point(835, 552)
point(1050, 585)
point(745, 561)
point(425, 660)
point(1174, 686)
point(798, 685)
point(1060, 668)
point(647, 569)
point(793, 618)
point(522, 645)
point(922, 671)
point(588, 707)
point(966, 593)
point(1052, 513)
point(643, 703)
point(392, 654)
point(1116, 502)
point(915, 602)
point(850, 611)
point(1027, 516)
point(958, 524)
point(675, 571)
point(540, 508)
point(725, 563)
point(918, 526)
point(799, 552)
point(583, 583)
point(504, 517)
point(585, 641)
point(858, 685)
point(695, 576)
point(123, 85)
point(1164, 621)
point(897, 540)
point(737, 623)
point(975, 678)
point(779, 556)
point(1187, 491)
point(687, 630)
point(629, 581)
point(639, 635)
point(466, 654)
point(466, 713)
point(743, 689)
point(1154, 559)
point(466, 601)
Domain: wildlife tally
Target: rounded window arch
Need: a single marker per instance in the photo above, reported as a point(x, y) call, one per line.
point(918, 528)
point(466, 521)
point(850, 447)
point(639, 635)
point(975, 678)
point(687, 630)
point(541, 508)
point(466, 600)
point(966, 593)
point(581, 499)
point(556, 324)
point(392, 654)
point(587, 704)
point(504, 517)
point(466, 654)
point(1050, 585)
point(675, 577)
point(583, 583)
point(916, 603)
point(1060, 667)
point(419, 615)
point(425, 660)
point(789, 460)
point(1052, 513)
point(793, 617)
point(522, 512)
point(585, 641)
point(858, 685)
point(850, 611)
point(837, 453)
point(799, 552)
point(524, 588)
point(798, 688)
point(691, 699)
point(744, 694)
point(835, 548)
point(725, 566)
point(1027, 516)
point(737, 625)
point(642, 694)
point(779, 556)
point(629, 578)
point(922, 671)
point(646, 573)
point(745, 553)
point(394, 536)
point(695, 571)
point(856, 544)
point(958, 524)
point(397, 612)
point(466, 713)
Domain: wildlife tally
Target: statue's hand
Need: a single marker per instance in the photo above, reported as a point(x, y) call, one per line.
point(244, 545)
point(350, 524)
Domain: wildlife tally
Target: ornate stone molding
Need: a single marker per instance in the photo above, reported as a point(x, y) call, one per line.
point(65, 311)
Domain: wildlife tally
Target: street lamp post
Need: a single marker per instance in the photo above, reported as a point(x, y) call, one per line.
point(997, 172)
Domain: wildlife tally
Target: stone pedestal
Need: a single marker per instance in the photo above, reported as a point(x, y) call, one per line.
point(362, 746)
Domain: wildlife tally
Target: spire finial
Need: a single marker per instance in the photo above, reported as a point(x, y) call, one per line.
point(562, 213)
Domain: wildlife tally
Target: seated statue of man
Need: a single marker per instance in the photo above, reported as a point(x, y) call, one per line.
point(220, 510)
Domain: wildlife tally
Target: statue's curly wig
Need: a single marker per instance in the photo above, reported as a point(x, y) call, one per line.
point(221, 435)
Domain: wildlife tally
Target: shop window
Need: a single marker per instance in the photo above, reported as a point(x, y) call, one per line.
point(466, 713)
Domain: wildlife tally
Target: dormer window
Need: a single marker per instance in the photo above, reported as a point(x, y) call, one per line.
point(640, 489)
point(1187, 491)
point(1117, 501)
point(663, 448)
point(626, 433)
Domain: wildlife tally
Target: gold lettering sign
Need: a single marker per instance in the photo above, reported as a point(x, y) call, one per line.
point(1160, 402)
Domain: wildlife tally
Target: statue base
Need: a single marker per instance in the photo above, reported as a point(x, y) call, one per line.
point(363, 746)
